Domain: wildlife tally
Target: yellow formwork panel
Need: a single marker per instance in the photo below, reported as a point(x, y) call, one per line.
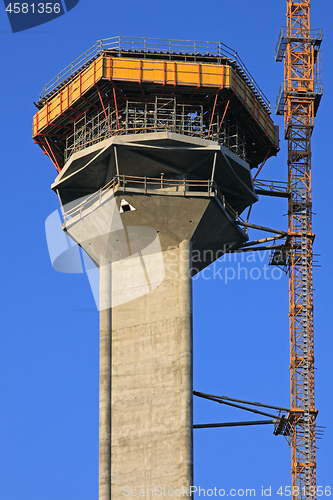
point(133, 70)
point(161, 72)
point(165, 72)
point(68, 95)
point(125, 69)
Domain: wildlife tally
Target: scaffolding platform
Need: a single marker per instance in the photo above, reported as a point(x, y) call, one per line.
point(313, 36)
point(315, 94)
point(124, 85)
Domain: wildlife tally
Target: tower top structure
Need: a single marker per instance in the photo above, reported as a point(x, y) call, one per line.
point(205, 80)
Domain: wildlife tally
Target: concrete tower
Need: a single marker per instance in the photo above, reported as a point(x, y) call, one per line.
point(153, 141)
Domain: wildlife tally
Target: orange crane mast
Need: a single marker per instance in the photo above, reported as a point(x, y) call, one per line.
point(298, 101)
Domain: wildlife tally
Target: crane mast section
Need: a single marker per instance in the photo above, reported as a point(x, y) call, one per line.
point(298, 101)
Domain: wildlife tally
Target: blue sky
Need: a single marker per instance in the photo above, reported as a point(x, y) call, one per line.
point(49, 337)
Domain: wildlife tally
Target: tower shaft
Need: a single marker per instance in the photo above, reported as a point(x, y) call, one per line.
point(105, 366)
point(152, 416)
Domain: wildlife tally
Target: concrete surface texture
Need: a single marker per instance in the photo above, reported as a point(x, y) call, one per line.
point(152, 384)
point(105, 384)
point(106, 233)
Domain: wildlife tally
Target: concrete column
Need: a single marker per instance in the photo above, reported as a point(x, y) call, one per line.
point(105, 384)
point(186, 356)
point(152, 380)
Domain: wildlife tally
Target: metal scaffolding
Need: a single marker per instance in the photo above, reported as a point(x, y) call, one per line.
point(162, 114)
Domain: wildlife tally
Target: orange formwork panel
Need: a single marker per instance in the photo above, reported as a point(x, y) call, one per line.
point(150, 71)
point(68, 95)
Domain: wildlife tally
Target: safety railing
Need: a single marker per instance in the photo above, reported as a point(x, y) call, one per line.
point(274, 186)
point(148, 184)
point(194, 50)
point(297, 34)
point(284, 91)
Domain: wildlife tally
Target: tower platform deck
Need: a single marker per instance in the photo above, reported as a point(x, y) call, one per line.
point(213, 96)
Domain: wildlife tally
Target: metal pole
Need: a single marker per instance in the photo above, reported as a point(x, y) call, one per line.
point(116, 159)
point(254, 403)
point(62, 208)
point(235, 424)
point(213, 169)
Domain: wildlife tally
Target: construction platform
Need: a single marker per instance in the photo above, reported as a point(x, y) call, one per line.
point(123, 86)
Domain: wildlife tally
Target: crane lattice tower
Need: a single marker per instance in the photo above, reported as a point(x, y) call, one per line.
point(298, 101)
